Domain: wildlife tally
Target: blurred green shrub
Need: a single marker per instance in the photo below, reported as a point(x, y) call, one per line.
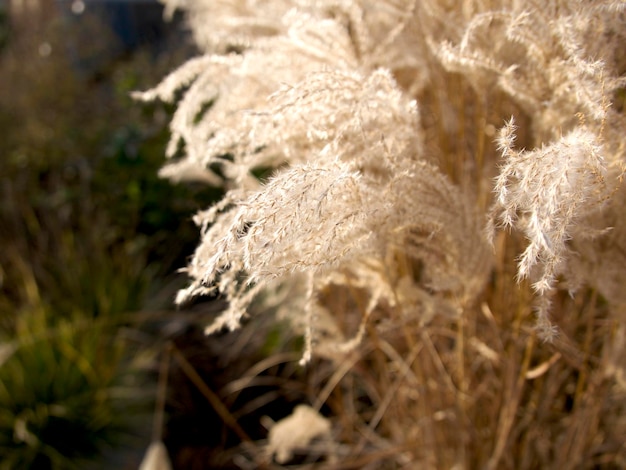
point(68, 390)
point(89, 236)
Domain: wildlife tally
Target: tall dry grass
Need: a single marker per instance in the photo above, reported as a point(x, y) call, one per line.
point(387, 130)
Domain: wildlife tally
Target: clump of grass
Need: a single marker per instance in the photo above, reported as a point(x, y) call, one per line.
point(381, 121)
point(68, 392)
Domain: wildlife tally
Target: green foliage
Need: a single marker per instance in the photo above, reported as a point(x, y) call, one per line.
point(89, 235)
point(62, 392)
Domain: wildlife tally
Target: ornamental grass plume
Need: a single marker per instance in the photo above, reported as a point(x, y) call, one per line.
point(546, 193)
point(156, 458)
point(358, 146)
point(296, 431)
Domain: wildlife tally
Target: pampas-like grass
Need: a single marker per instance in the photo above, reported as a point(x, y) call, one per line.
point(378, 124)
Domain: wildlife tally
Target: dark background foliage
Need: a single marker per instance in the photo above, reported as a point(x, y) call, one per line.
point(91, 238)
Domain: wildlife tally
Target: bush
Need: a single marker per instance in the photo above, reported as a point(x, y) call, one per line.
point(88, 243)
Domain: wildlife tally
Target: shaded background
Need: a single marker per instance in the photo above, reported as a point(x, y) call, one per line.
point(91, 238)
